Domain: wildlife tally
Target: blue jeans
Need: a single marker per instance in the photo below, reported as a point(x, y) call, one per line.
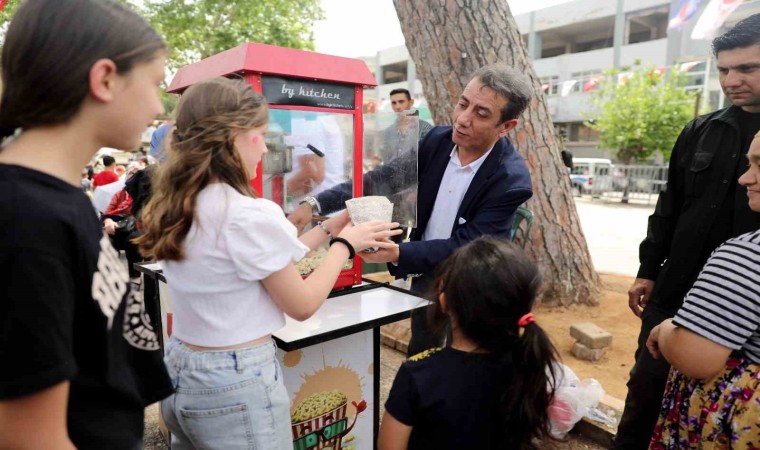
point(233, 399)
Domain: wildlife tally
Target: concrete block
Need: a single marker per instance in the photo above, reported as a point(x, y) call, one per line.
point(590, 335)
point(580, 351)
point(387, 340)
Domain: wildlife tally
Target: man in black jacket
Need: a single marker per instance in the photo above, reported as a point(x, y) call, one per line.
point(702, 207)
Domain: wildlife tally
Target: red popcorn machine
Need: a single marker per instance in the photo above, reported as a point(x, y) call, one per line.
point(316, 127)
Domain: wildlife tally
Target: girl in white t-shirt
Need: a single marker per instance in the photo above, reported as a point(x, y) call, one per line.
point(228, 257)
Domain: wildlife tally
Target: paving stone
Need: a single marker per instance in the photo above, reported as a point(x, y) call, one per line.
point(580, 351)
point(590, 335)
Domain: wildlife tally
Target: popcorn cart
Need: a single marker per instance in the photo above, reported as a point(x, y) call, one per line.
point(316, 125)
point(330, 361)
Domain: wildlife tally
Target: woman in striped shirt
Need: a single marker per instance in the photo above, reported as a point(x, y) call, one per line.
point(712, 399)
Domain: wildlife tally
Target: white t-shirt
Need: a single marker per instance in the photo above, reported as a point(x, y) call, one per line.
point(323, 133)
point(454, 185)
point(235, 242)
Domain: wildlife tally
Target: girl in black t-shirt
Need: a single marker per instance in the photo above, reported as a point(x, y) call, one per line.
point(79, 354)
point(492, 386)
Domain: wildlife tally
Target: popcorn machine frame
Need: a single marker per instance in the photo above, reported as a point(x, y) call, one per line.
point(294, 80)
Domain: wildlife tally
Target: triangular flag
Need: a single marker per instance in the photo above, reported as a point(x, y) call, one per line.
point(687, 66)
point(567, 86)
point(681, 12)
point(712, 18)
point(591, 84)
point(624, 77)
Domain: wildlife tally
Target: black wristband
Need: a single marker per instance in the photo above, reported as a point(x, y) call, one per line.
point(351, 250)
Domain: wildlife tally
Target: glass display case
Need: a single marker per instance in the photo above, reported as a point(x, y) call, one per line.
point(316, 123)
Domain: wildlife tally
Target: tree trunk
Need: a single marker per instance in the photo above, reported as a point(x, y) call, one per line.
point(448, 40)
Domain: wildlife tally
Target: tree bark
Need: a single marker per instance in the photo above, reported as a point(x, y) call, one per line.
point(448, 40)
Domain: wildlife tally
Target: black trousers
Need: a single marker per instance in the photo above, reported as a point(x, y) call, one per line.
point(645, 388)
point(122, 241)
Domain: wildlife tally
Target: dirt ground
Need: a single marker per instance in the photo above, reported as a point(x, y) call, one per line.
point(611, 315)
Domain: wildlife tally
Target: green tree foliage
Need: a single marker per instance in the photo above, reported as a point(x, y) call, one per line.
point(643, 113)
point(10, 8)
point(195, 29)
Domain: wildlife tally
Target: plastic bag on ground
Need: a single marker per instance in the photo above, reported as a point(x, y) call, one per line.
point(573, 399)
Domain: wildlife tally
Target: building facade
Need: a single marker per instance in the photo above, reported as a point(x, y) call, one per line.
point(571, 44)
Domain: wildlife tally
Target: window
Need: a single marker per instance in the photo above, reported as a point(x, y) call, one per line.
point(583, 78)
point(581, 133)
point(695, 73)
point(552, 51)
point(550, 85)
point(593, 45)
point(394, 73)
point(647, 25)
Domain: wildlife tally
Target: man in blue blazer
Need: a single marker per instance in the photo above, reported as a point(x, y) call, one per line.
point(471, 181)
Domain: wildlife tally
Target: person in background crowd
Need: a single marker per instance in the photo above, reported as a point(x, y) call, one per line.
point(80, 360)
point(395, 136)
point(107, 175)
point(120, 224)
point(158, 143)
point(85, 181)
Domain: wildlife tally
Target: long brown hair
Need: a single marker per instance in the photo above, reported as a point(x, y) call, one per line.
point(46, 59)
point(202, 150)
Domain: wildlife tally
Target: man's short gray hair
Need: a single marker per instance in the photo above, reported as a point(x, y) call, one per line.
point(508, 83)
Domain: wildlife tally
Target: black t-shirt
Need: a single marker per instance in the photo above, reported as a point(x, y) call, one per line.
point(450, 399)
point(67, 313)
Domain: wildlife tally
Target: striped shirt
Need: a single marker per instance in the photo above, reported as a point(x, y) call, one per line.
point(724, 303)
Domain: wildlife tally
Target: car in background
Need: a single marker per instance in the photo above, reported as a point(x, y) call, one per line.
point(591, 176)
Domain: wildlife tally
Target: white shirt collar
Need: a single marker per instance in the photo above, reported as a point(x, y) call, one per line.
point(475, 165)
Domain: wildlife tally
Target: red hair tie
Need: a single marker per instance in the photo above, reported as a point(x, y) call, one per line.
point(526, 320)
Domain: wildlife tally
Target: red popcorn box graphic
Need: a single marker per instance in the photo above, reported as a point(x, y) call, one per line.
point(320, 421)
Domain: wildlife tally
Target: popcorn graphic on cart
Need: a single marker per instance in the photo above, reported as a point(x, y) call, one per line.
point(320, 421)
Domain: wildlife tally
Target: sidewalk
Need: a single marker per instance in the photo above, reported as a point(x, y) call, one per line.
point(613, 233)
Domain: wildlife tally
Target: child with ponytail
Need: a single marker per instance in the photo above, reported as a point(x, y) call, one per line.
point(491, 387)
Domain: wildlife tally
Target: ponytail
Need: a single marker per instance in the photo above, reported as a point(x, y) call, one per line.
point(490, 286)
point(529, 390)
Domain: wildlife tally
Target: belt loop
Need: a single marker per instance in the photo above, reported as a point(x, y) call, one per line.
point(238, 362)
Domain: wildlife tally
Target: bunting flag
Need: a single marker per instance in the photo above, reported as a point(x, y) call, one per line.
point(681, 12)
point(591, 84)
point(567, 86)
point(623, 78)
point(687, 66)
point(712, 18)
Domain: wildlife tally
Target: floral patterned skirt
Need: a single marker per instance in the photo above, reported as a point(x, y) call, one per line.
point(720, 413)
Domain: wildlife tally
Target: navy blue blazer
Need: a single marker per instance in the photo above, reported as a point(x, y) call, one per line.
point(500, 185)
